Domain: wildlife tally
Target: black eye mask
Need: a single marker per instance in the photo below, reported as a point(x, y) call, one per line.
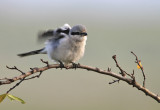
point(79, 33)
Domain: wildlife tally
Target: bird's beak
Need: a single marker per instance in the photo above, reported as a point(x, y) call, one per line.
point(84, 34)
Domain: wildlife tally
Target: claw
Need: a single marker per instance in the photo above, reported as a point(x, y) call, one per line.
point(75, 66)
point(61, 65)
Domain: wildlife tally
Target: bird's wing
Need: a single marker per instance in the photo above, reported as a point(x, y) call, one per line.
point(49, 34)
point(43, 35)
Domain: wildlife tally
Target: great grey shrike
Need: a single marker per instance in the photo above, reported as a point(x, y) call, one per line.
point(64, 45)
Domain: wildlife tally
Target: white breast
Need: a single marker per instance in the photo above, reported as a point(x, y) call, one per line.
point(66, 50)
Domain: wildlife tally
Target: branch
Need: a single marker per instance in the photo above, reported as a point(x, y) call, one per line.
point(131, 80)
point(141, 67)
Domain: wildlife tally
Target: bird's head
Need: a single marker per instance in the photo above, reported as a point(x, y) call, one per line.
point(78, 32)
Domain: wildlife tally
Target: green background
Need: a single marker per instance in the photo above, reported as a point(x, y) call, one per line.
point(113, 26)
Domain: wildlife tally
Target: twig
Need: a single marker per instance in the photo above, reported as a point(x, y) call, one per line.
point(46, 62)
point(15, 68)
point(114, 81)
point(15, 86)
point(122, 72)
point(138, 63)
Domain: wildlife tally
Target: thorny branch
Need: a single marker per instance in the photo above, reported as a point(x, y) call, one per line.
point(131, 80)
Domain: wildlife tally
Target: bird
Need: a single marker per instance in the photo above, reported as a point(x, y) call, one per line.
point(63, 45)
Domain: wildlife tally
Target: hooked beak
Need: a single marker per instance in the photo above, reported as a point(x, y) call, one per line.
point(84, 34)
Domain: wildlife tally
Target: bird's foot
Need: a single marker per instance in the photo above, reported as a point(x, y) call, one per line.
point(75, 66)
point(61, 65)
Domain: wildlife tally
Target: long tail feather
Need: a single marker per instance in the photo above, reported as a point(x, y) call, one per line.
point(31, 53)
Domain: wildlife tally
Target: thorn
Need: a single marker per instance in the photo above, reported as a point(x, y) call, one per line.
point(133, 73)
point(31, 69)
point(14, 67)
point(109, 69)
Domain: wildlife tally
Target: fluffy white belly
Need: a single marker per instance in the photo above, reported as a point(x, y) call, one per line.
point(66, 51)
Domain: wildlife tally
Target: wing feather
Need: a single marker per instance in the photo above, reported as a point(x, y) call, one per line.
point(57, 33)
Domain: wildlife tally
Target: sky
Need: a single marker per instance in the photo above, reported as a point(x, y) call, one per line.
point(113, 27)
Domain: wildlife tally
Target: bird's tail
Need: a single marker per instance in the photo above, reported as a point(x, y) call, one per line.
point(32, 53)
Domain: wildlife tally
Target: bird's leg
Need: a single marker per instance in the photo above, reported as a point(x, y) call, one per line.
point(61, 65)
point(75, 66)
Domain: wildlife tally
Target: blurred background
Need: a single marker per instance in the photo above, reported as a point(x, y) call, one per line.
point(114, 27)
